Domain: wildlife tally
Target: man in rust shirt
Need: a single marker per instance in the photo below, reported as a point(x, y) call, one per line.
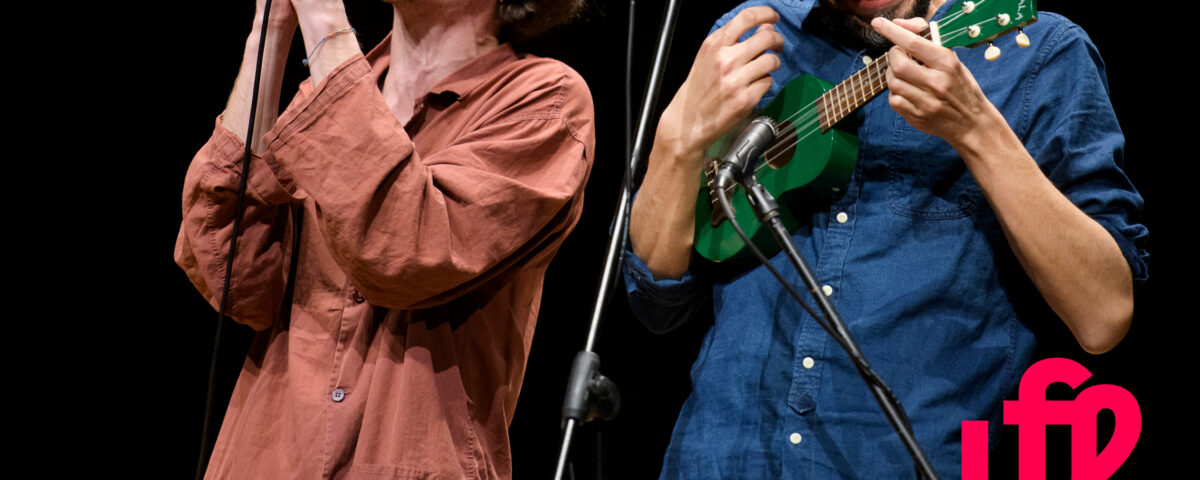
point(435, 178)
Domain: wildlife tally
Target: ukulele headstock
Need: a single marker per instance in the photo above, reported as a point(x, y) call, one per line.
point(973, 23)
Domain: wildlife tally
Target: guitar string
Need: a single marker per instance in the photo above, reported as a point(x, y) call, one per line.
point(807, 110)
point(806, 116)
point(802, 118)
point(951, 34)
point(838, 98)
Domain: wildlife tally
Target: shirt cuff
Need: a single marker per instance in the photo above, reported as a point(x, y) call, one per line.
point(273, 185)
point(667, 291)
point(661, 305)
point(312, 102)
point(1136, 257)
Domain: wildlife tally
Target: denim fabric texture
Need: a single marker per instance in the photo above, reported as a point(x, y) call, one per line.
point(918, 267)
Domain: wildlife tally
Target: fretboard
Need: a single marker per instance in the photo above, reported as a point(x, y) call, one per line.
point(846, 97)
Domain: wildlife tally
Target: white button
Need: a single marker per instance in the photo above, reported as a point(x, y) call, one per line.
point(828, 290)
point(795, 438)
point(338, 394)
point(842, 217)
point(867, 60)
point(808, 362)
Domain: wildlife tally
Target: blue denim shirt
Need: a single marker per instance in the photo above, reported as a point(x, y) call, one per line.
point(915, 261)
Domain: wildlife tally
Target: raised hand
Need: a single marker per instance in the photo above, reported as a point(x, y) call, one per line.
point(727, 79)
point(938, 95)
point(1072, 259)
point(282, 26)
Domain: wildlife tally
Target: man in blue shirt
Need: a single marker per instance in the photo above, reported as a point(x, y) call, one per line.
point(987, 199)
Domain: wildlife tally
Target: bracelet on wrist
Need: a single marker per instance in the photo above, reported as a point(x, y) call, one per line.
point(305, 62)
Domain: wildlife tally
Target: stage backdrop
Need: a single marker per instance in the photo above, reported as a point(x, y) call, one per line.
point(175, 71)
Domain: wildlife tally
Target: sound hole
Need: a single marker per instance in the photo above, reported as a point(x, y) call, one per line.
point(783, 148)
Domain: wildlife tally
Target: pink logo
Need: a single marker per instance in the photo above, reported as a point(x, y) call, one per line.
point(1031, 412)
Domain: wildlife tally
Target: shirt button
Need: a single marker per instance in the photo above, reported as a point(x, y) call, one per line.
point(842, 217)
point(828, 290)
point(795, 438)
point(866, 60)
point(808, 362)
point(338, 395)
point(358, 298)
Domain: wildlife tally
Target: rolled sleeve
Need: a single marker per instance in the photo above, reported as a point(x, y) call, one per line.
point(1081, 146)
point(414, 228)
point(662, 305)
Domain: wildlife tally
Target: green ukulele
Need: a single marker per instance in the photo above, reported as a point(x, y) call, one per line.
point(813, 154)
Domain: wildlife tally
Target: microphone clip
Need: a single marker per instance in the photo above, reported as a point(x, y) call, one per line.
point(742, 157)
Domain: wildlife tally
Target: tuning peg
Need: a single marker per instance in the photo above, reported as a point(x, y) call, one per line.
point(968, 7)
point(1022, 39)
point(973, 31)
point(992, 52)
point(1003, 19)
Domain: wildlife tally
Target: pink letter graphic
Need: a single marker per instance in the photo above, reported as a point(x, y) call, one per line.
point(975, 450)
point(1031, 412)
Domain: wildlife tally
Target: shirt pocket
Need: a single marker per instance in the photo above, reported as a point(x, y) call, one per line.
point(927, 179)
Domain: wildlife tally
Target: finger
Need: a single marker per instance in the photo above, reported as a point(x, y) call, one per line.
point(900, 94)
point(758, 68)
point(744, 21)
point(923, 49)
point(903, 107)
point(913, 97)
point(754, 92)
point(915, 24)
point(757, 44)
point(902, 66)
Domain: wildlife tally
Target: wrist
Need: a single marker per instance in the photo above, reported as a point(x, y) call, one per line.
point(988, 133)
point(279, 40)
point(274, 56)
point(277, 26)
point(315, 25)
point(672, 145)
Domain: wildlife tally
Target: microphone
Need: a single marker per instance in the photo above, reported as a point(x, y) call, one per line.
point(742, 157)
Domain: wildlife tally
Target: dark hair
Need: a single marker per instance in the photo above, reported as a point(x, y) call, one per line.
point(522, 20)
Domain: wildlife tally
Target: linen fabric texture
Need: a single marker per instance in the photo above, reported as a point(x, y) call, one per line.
point(420, 270)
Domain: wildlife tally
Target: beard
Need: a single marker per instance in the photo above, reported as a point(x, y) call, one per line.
point(856, 32)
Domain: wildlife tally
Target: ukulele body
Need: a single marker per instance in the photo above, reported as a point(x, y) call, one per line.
point(803, 164)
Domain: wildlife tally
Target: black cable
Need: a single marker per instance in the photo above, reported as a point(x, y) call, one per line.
point(237, 224)
point(723, 200)
point(629, 85)
point(836, 329)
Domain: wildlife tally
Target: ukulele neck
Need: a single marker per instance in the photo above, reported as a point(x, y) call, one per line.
point(846, 97)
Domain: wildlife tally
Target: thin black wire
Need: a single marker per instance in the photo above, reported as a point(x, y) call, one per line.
point(630, 162)
point(723, 200)
point(629, 87)
point(237, 224)
point(843, 338)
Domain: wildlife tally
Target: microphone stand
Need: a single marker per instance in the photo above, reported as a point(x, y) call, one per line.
point(589, 394)
point(767, 211)
point(205, 434)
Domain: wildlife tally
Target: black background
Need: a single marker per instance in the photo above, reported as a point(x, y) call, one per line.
point(155, 81)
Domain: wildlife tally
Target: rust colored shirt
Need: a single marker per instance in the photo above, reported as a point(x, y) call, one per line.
point(421, 260)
